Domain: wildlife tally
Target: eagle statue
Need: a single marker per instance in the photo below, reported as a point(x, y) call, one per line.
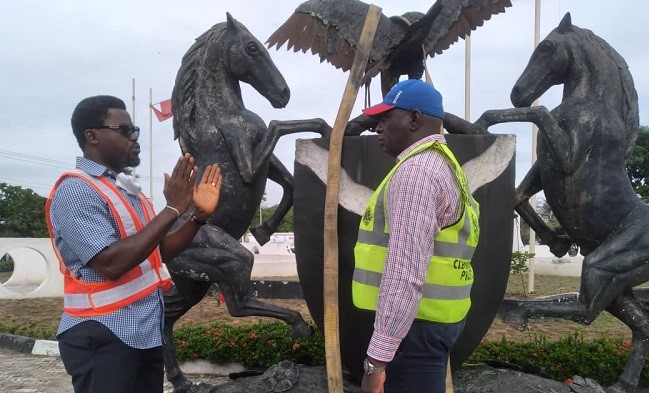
point(331, 29)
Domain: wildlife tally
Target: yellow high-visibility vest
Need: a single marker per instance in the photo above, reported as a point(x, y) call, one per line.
point(447, 286)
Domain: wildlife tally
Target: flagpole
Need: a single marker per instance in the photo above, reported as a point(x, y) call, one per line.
point(467, 78)
point(532, 247)
point(150, 145)
point(133, 113)
point(133, 100)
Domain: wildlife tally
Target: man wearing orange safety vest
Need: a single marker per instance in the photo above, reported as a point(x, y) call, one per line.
point(111, 246)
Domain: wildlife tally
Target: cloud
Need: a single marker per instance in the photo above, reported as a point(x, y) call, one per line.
point(56, 53)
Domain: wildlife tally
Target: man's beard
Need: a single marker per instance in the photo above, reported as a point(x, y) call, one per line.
point(133, 161)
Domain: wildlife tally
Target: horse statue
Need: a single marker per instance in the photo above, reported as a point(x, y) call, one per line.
point(212, 123)
point(582, 148)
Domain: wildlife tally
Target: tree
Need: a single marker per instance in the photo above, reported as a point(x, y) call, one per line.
point(22, 212)
point(637, 165)
point(287, 223)
point(545, 212)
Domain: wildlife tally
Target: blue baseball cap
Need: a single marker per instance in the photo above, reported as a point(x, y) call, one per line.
point(410, 94)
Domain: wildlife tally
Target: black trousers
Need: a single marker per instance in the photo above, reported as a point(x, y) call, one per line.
point(99, 362)
point(419, 366)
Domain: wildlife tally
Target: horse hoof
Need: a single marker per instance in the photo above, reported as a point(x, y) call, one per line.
point(582, 385)
point(195, 388)
point(261, 234)
point(516, 319)
point(620, 387)
point(180, 382)
point(560, 245)
point(301, 329)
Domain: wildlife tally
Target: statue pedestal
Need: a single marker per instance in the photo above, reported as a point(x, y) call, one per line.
point(484, 157)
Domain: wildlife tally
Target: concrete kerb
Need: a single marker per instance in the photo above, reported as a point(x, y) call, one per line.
point(29, 345)
point(34, 346)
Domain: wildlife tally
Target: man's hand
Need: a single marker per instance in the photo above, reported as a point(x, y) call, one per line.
point(373, 383)
point(179, 186)
point(207, 192)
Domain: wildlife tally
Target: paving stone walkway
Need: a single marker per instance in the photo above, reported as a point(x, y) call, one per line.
point(27, 373)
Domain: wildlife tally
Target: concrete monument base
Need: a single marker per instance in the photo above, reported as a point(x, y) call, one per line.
point(475, 379)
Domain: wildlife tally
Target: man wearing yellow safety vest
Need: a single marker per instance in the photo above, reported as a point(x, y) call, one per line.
point(415, 243)
point(111, 246)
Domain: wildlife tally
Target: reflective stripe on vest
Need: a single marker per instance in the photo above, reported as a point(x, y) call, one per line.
point(447, 287)
point(96, 298)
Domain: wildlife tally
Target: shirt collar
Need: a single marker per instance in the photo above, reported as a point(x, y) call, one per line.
point(431, 138)
point(94, 169)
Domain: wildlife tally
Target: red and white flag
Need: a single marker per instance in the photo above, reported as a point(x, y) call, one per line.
point(164, 112)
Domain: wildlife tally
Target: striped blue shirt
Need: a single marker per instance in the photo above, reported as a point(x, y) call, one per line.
point(83, 226)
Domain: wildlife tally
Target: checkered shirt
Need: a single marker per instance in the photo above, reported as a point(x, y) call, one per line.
point(83, 226)
point(423, 197)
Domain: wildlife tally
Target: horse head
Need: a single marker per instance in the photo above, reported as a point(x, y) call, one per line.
point(248, 61)
point(589, 69)
point(548, 66)
point(211, 70)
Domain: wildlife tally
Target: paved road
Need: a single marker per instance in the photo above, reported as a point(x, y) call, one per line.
point(26, 373)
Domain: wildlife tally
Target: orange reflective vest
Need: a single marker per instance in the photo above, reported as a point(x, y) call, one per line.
point(85, 299)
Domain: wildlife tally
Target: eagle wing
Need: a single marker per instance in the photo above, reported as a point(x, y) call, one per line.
point(331, 28)
point(456, 19)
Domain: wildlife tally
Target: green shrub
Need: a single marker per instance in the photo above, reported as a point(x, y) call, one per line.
point(519, 262)
point(258, 345)
point(602, 360)
point(29, 330)
point(6, 264)
point(265, 344)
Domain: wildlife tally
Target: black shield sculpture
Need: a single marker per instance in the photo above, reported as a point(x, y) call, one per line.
point(489, 163)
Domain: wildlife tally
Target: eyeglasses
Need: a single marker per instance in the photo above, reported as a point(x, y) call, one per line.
point(131, 132)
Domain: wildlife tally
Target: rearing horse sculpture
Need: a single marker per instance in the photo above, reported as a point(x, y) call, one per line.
point(215, 127)
point(582, 148)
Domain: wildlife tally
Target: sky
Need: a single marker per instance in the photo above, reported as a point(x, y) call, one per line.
point(55, 53)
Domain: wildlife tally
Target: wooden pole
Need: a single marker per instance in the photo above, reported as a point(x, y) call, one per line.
point(330, 276)
point(449, 377)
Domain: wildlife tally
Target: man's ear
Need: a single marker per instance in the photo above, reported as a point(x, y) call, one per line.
point(91, 136)
point(415, 120)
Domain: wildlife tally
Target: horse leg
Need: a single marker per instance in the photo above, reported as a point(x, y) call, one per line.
point(531, 185)
point(457, 125)
point(185, 294)
point(193, 271)
point(251, 162)
point(227, 263)
point(617, 263)
point(240, 304)
point(574, 311)
point(286, 127)
point(278, 173)
point(557, 139)
point(632, 313)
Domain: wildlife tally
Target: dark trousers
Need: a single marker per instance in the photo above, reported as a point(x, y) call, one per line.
point(99, 362)
point(419, 366)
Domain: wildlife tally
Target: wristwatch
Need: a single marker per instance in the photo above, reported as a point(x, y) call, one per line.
point(196, 221)
point(370, 368)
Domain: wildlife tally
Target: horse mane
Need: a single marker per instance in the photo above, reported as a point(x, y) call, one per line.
point(631, 113)
point(187, 81)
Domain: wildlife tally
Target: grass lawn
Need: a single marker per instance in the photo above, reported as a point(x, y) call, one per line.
point(45, 313)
